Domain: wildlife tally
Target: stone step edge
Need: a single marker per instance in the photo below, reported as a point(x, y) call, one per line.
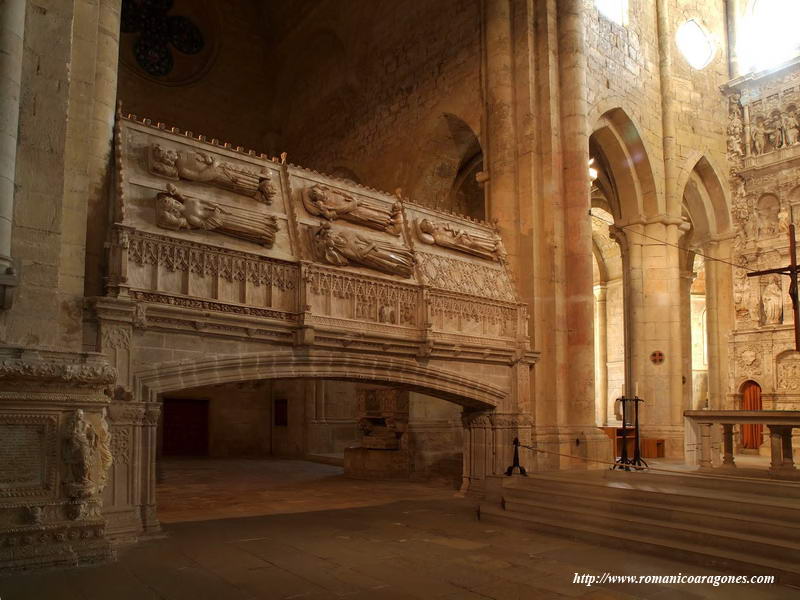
point(670, 507)
point(531, 483)
point(721, 557)
point(777, 486)
point(745, 537)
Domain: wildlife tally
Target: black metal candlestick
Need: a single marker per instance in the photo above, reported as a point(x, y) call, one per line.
point(625, 462)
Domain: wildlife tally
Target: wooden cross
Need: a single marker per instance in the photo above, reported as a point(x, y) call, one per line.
point(791, 270)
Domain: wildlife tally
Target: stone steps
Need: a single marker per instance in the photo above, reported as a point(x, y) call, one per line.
point(786, 573)
point(713, 523)
point(762, 487)
point(670, 492)
point(661, 512)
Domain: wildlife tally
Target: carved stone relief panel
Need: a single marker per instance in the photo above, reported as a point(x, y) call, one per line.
point(467, 316)
point(28, 449)
point(748, 361)
point(788, 372)
point(205, 167)
point(160, 263)
point(176, 211)
point(344, 248)
point(325, 202)
point(448, 235)
point(735, 130)
point(341, 295)
point(465, 277)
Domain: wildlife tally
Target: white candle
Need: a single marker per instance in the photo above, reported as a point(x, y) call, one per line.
point(636, 390)
point(623, 390)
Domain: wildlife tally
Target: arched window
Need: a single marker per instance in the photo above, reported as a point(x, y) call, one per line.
point(695, 44)
point(768, 34)
point(615, 10)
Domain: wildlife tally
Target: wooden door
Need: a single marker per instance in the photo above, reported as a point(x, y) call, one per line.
point(185, 427)
point(751, 400)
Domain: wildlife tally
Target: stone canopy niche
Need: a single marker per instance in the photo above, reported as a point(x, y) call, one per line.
point(228, 266)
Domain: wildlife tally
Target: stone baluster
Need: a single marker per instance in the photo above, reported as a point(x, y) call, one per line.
point(705, 445)
point(727, 444)
point(776, 452)
point(786, 447)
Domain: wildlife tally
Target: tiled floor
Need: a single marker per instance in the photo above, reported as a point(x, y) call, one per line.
point(321, 536)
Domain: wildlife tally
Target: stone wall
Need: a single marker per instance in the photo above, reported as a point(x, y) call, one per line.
point(226, 98)
point(388, 95)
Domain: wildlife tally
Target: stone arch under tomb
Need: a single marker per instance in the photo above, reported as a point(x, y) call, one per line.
point(381, 419)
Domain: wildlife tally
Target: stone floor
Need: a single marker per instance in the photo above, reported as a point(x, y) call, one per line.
point(277, 529)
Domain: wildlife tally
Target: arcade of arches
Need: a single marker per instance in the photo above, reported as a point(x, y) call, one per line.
point(387, 236)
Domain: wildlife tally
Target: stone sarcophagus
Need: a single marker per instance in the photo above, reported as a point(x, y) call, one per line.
point(211, 228)
point(225, 265)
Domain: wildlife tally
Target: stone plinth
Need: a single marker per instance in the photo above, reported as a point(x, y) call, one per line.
point(373, 463)
point(55, 455)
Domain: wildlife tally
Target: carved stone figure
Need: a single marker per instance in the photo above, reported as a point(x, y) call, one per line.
point(322, 201)
point(746, 303)
point(447, 236)
point(768, 211)
point(265, 192)
point(343, 248)
point(79, 445)
point(772, 302)
point(775, 131)
point(203, 167)
point(790, 127)
point(735, 131)
point(783, 220)
point(759, 136)
point(104, 456)
point(175, 211)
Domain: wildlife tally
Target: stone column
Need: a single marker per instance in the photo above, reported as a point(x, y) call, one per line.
point(577, 243)
point(100, 144)
point(601, 362)
point(12, 31)
point(500, 139)
point(727, 444)
point(685, 286)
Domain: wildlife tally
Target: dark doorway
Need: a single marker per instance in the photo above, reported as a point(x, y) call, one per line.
point(185, 427)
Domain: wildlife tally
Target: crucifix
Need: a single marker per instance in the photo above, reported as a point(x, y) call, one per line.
point(791, 270)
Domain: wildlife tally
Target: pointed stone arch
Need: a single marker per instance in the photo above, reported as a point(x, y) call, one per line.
point(620, 150)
